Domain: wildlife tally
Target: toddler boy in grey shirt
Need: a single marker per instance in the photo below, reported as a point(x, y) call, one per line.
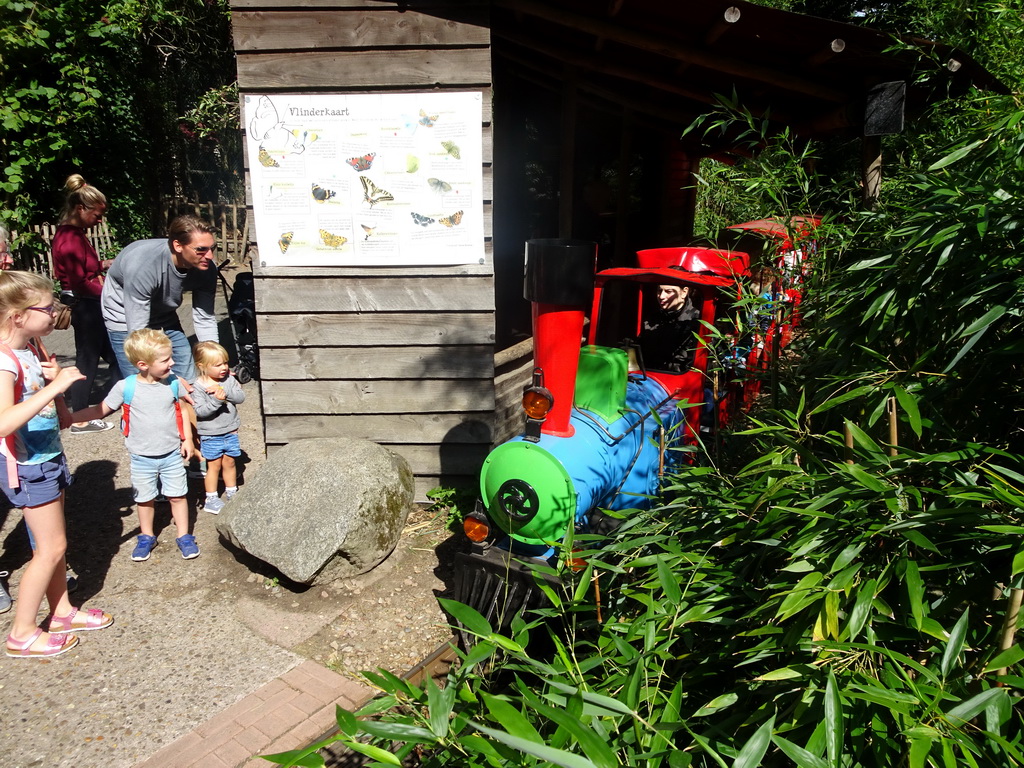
point(157, 437)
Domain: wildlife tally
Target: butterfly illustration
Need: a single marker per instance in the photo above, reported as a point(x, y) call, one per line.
point(412, 163)
point(305, 135)
point(421, 220)
point(427, 120)
point(285, 241)
point(452, 149)
point(331, 240)
point(452, 221)
point(264, 120)
point(362, 163)
point(368, 230)
point(266, 160)
point(322, 195)
point(374, 194)
point(441, 187)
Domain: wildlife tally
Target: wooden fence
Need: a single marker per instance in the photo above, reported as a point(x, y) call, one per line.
point(230, 223)
point(33, 260)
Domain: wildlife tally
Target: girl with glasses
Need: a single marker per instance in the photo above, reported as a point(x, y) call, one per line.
point(35, 472)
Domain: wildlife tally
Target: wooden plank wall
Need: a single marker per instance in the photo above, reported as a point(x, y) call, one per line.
point(513, 371)
point(400, 356)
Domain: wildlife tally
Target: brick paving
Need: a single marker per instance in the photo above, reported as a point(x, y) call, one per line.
point(289, 712)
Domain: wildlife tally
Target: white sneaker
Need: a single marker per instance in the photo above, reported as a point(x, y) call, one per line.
point(213, 505)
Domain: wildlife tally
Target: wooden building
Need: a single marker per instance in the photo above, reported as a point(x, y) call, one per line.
point(584, 109)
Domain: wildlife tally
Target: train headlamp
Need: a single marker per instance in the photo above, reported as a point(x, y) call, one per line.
point(476, 528)
point(537, 402)
point(537, 399)
point(576, 562)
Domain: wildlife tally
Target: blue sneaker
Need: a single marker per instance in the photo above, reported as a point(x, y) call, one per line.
point(187, 545)
point(143, 547)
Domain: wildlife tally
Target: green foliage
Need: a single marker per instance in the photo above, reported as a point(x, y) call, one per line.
point(216, 113)
point(784, 175)
point(454, 502)
point(797, 610)
point(95, 87)
point(929, 299)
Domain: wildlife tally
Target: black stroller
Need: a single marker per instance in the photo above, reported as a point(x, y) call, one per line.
point(241, 301)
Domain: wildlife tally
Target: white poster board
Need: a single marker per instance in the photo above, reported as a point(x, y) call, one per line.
point(367, 179)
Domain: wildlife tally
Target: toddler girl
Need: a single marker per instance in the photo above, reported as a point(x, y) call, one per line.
point(215, 396)
point(35, 472)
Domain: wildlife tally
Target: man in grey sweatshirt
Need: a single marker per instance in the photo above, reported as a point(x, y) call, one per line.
point(144, 287)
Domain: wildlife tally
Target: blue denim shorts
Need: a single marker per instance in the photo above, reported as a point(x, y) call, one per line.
point(152, 475)
point(214, 446)
point(39, 483)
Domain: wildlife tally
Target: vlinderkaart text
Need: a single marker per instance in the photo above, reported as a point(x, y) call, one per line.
point(317, 112)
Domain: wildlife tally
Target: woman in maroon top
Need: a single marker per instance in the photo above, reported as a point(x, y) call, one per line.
point(80, 272)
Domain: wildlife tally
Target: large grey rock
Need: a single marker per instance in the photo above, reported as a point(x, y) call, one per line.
point(322, 509)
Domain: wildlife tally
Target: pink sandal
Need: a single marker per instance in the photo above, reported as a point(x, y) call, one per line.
point(56, 645)
point(94, 619)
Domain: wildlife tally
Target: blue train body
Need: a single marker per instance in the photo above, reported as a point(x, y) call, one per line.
point(535, 489)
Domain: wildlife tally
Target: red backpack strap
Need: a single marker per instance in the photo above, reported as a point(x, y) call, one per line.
point(178, 417)
point(126, 403)
point(9, 442)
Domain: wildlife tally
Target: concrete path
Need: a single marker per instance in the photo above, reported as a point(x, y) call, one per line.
point(201, 666)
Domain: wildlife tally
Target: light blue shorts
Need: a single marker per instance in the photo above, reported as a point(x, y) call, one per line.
point(214, 446)
point(152, 475)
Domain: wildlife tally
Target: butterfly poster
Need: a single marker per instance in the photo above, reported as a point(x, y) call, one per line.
point(365, 180)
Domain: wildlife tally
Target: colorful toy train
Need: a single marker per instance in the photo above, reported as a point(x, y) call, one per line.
point(602, 426)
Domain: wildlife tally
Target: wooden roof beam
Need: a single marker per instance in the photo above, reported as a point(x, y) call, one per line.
point(721, 26)
point(674, 117)
point(715, 31)
point(672, 49)
point(830, 51)
point(604, 66)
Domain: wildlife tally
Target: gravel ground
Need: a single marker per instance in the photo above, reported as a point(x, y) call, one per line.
point(192, 637)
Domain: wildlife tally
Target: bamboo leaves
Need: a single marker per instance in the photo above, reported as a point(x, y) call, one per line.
point(834, 725)
point(805, 601)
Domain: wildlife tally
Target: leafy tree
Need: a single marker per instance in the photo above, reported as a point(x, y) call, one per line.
point(98, 88)
point(984, 28)
point(930, 299)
